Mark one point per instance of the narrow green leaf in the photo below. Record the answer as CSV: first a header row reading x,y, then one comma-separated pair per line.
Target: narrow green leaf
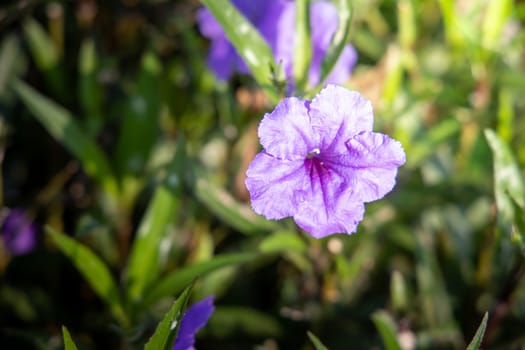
x,y
175,281
89,88
229,320
9,57
509,188
247,41
93,270
497,14
506,171
387,330
69,344
239,216
302,45
478,337
339,39
143,266
452,23
166,332
60,124
140,124
317,343
44,51
282,241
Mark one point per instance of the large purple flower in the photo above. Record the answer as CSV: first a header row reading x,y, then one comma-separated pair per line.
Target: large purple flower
x,y
194,319
275,20
19,232
321,162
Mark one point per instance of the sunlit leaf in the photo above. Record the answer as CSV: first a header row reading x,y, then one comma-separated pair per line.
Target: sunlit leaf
x,y
387,330
166,332
69,344
340,38
302,44
247,41
239,216
283,241
508,182
316,342
93,270
478,337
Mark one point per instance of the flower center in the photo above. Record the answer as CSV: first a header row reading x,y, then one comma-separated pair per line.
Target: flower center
x,y
313,153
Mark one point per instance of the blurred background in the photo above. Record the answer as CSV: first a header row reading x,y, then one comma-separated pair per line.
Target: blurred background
x,y
114,133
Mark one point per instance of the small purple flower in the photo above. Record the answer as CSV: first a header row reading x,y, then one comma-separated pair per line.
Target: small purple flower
x,y
194,319
321,162
275,20
19,232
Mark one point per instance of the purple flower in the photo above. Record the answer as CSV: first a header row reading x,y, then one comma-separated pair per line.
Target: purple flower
x,y
321,162
275,20
19,232
194,319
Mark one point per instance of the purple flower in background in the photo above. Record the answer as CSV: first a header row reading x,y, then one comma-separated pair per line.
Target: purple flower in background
x,y
321,162
194,319
275,19
19,232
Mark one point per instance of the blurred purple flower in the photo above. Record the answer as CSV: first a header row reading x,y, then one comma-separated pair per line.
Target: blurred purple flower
x,y
275,20
194,319
321,162
19,232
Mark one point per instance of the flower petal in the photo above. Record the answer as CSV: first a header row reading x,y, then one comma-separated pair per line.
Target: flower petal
x,y
344,217
337,114
194,319
286,132
374,158
276,186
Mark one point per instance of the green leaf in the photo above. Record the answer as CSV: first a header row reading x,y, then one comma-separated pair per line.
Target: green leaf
x,y
175,281
69,344
143,266
247,41
166,332
60,124
9,59
140,123
237,215
478,337
387,330
228,320
339,39
283,241
317,343
506,171
93,270
42,48
508,184
302,44
89,88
